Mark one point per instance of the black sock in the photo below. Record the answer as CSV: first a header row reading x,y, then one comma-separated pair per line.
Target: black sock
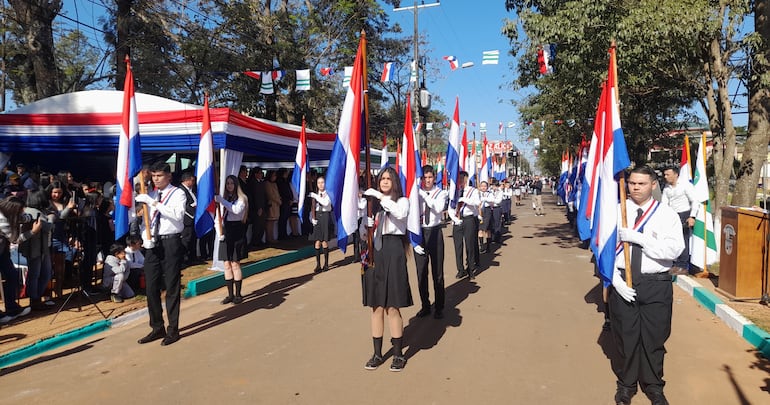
x,y
326,258
318,258
377,346
238,287
397,346
229,284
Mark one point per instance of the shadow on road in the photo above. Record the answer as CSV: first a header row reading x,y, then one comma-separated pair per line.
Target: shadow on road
x,y
267,297
43,359
425,333
560,234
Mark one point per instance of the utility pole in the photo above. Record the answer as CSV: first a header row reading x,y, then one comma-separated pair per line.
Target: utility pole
x,y
420,95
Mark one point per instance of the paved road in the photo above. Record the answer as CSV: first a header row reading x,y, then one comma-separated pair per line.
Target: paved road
x,y
526,331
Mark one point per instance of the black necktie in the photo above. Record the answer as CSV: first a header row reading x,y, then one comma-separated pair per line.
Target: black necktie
x,y
157,214
636,253
426,211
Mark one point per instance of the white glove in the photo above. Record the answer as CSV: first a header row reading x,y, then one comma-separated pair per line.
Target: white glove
x,y
419,250
369,222
314,221
457,222
148,244
145,198
628,293
373,193
630,235
423,194
462,200
313,195
218,198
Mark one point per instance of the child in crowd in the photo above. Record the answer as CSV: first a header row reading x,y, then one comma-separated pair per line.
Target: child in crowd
x,y
135,259
116,274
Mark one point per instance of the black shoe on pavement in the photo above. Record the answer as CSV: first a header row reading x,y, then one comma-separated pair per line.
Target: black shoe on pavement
x,y
461,274
238,299
398,363
227,300
423,312
154,335
170,339
623,396
116,298
373,363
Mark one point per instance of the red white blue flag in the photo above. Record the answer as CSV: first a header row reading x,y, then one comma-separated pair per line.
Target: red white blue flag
x,y
453,156
613,159
486,161
129,157
205,211
453,62
384,153
387,72
342,175
299,175
410,173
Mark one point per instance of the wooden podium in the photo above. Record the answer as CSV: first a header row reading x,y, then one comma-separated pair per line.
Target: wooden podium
x,y
743,248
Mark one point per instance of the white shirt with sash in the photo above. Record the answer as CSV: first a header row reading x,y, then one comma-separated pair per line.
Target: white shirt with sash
x,y
663,241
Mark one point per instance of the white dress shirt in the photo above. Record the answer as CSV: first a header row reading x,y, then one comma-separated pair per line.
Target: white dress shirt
x,y
234,211
662,243
435,200
680,197
471,202
135,259
322,202
391,220
167,213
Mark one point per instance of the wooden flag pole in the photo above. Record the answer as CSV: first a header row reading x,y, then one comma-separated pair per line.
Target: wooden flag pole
x,y
365,84
622,180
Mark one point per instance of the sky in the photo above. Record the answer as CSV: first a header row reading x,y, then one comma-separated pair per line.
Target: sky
x,y
455,28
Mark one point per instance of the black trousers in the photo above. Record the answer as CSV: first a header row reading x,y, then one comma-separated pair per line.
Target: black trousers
x,y
433,242
683,260
257,228
206,245
164,262
466,233
189,242
497,222
640,329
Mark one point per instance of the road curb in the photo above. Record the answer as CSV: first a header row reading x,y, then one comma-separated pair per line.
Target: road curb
x,y
750,332
194,288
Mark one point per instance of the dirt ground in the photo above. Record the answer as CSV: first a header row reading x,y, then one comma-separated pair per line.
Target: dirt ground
x,y
79,311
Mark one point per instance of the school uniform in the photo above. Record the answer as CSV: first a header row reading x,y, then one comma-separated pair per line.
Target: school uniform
x,y
432,206
465,231
324,229
235,230
642,327
387,283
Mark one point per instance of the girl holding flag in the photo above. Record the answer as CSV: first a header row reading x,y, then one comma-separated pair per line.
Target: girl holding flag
x,y
320,217
235,213
386,284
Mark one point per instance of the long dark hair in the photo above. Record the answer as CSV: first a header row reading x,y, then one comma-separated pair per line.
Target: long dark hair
x,y
237,194
12,207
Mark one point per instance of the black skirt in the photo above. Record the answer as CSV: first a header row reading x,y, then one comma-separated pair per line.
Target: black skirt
x,y
235,242
486,219
387,283
324,230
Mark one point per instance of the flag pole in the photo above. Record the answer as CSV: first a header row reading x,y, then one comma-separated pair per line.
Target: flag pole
x,y
365,86
142,184
622,180
704,206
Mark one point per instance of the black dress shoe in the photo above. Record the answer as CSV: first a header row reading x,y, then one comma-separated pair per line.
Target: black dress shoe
x,y
657,398
423,313
169,339
461,274
623,396
153,336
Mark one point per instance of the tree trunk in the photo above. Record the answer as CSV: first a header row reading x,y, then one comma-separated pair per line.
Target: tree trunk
x,y
755,150
36,18
122,48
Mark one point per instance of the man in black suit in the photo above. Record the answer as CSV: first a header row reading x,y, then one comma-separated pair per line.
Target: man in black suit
x,y
188,234
257,205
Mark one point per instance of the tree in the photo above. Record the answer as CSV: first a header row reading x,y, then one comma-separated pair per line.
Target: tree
x,y
34,71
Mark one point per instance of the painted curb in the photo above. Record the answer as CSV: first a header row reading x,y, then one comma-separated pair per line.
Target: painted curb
x,y
750,332
53,342
215,281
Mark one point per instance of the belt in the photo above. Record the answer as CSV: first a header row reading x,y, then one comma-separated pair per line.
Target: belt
x,y
663,276
170,236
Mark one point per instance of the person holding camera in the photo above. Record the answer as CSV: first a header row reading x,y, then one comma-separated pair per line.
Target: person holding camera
x,y
12,216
